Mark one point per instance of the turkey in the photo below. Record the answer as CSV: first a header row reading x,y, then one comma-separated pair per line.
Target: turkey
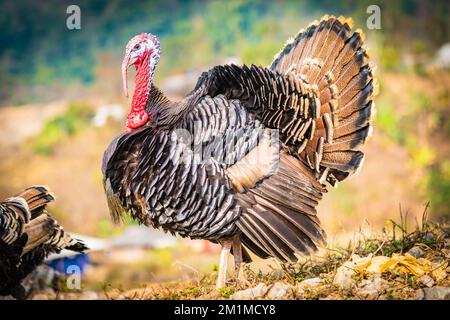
x,y
28,234
245,157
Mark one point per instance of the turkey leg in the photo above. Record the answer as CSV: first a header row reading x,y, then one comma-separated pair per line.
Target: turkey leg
x,y
237,253
222,277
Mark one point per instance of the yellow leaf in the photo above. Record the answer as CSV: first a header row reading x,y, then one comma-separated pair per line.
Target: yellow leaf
x,y
361,264
397,263
440,272
379,264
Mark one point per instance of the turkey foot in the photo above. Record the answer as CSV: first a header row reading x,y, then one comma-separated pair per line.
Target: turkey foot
x,y
237,253
223,265
239,277
236,246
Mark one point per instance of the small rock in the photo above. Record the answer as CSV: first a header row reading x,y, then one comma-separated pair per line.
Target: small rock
x,y
46,294
41,296
426,280
429,236
438,260
371,287
84,295
416,252
278,290
435,293
251,293
88,295
343,277
333,296
446,252
439,271
309,283
278,274
213,295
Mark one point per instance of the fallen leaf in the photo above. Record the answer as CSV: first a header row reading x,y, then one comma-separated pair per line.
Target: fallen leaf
x,y
380,264
440,272
396,264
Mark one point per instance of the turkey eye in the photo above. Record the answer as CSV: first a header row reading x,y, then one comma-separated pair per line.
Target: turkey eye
x,y
137,47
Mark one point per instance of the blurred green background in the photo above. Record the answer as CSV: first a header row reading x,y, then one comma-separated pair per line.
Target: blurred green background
x,y
55,82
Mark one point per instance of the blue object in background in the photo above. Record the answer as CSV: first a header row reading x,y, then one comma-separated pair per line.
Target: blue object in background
x,y
62,264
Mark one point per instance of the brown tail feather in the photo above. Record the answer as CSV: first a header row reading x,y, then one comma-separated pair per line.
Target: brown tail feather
x,y
253,247
280,219
39,231
45,230
42,228
37,198
246,258
14,214
331,59
265,239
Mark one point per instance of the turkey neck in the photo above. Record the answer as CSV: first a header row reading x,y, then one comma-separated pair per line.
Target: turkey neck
x,y
145,68
149,102
143,85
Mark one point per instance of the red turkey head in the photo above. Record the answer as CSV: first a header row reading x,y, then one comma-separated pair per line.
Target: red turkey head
x,y
142,51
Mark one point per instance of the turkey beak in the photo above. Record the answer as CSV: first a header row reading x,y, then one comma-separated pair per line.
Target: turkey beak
x,y
125,66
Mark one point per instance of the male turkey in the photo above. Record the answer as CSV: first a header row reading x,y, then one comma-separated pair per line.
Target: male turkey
x,y
243,158
28,234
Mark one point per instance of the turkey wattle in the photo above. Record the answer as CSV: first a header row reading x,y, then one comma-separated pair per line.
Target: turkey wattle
x,y
243,158
28,234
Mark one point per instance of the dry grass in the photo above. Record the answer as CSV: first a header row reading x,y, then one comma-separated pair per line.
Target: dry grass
x,y
433,238
157,276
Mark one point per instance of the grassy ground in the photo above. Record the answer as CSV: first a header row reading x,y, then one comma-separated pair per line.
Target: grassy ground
x,y
139,281
433,239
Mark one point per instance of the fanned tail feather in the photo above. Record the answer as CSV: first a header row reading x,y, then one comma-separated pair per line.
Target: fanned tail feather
x,y
37,198
332,60
42,229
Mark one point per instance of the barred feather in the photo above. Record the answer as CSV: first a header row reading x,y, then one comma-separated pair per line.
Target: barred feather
x,y
28,234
